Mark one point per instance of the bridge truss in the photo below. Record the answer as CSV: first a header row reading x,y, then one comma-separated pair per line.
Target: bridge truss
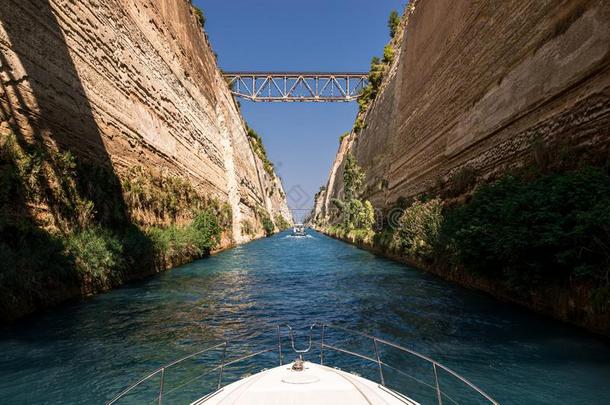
x,y
297,86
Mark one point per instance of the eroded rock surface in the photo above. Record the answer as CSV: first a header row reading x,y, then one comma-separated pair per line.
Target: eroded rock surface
x,y
127,83
475,84
485,87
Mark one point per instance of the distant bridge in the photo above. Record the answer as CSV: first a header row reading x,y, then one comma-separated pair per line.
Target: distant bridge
x,y
320,87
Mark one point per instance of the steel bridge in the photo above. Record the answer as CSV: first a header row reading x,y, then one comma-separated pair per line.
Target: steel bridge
x,y
320,87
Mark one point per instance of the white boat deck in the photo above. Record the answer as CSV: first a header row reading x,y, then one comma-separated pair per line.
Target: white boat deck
x,y
315,384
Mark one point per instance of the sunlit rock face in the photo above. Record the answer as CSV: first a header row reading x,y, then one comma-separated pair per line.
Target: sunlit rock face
x,y
476,84
129,83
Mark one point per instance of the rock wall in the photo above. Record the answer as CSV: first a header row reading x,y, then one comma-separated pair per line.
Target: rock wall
x,y
484,88
127,83
474,85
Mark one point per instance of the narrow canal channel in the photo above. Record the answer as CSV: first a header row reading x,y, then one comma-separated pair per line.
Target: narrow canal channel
x,y
85,353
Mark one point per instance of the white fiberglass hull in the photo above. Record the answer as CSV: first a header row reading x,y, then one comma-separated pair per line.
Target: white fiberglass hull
x,y
315,384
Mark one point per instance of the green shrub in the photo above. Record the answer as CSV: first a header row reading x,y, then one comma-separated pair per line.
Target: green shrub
x,y
281,222
376,75
364,100
258,147
66,224
418,230
166,197
369,92
223,213
361,236
358,215
195,240
97,254
385,240
388,54
206,231
33,266
355,215
337,231
393,23
53,238
268,225
200,16
173,245
350,212
553,228
38,175
339,204
365,218
353,177
138,250
358,125
100,185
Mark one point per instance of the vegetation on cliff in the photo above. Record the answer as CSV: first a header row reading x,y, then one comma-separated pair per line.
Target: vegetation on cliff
x,y
258,147
268,225
393,22
265,219
524,230
369,93
554,228
199,14
378,71
77,215
247,229
280,222
181,224
418,228
161,199
174,244
545,224
62,230
356,216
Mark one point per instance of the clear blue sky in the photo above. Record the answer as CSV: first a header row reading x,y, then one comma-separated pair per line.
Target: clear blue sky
x,y
296,35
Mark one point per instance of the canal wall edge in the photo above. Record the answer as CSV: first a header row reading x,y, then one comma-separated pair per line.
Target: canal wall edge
x,y
115,119
571,306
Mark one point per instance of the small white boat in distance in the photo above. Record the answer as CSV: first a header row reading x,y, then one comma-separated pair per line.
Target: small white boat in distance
x,y
380,380
298,230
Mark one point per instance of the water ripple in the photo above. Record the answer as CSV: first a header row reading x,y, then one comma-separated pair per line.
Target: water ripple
x,y
84,353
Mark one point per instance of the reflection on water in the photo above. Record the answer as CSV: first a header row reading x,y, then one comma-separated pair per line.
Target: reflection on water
x,y
89,351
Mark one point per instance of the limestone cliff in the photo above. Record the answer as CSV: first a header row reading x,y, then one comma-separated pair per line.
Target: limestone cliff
x,y
132,83
477,91
120,142
474,84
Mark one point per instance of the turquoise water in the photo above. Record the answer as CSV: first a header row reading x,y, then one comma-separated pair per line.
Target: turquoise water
x,y
85,353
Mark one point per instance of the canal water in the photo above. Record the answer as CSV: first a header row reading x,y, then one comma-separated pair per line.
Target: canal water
x,y
87,352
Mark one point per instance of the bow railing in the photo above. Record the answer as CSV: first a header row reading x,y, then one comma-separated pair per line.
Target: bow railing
x,y
406,379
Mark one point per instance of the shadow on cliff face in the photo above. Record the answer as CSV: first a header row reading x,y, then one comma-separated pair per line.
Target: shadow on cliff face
x,y
56,176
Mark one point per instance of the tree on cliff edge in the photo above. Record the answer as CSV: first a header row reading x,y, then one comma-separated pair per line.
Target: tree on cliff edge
x,y
393,22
